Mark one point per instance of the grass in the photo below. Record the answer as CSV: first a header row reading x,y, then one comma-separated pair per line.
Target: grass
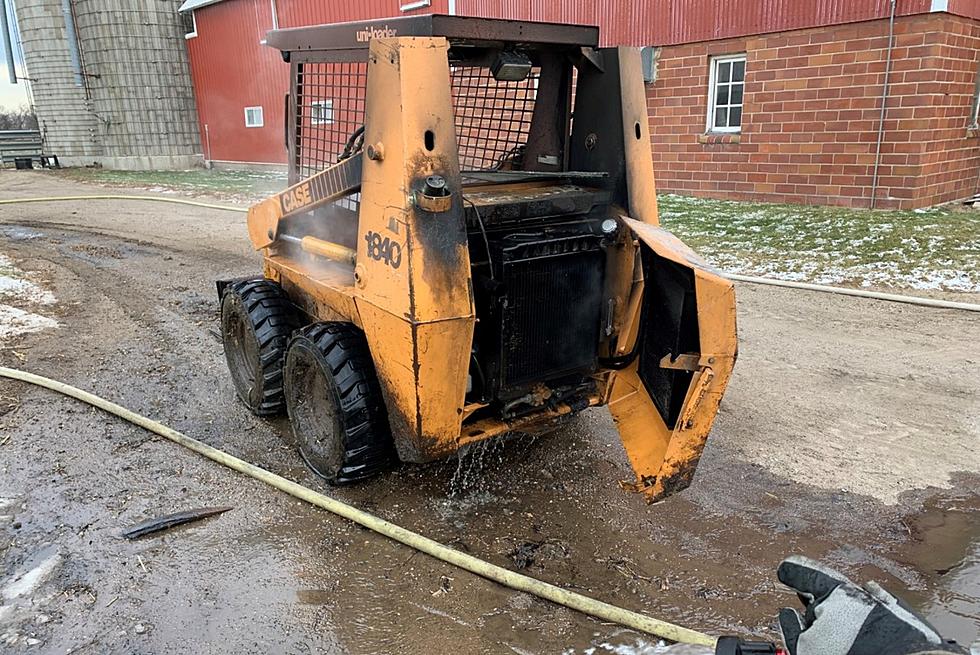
x,y
240,185
937,249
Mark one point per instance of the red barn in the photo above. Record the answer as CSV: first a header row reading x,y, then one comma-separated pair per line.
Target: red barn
x,y
847,102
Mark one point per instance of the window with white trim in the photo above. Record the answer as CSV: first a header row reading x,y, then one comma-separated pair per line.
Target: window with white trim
x,y
189,21
253,117
726,88
321,112
975,113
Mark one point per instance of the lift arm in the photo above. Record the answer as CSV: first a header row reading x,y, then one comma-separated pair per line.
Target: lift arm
x,y
341,179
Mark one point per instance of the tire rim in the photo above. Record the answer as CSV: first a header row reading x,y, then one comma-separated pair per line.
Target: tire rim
x,y
241,350
311,399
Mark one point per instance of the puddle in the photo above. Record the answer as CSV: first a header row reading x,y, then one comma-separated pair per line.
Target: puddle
x,y
15,233
946,548
955,609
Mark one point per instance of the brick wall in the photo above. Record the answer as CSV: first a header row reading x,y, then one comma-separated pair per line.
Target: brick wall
x,y
811,114
949,166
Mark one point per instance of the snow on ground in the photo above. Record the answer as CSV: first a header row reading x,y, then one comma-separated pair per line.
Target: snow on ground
x,y
20,297
935,249
641,646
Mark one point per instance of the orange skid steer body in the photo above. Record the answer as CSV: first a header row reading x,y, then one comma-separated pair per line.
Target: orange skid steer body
x,y
470,247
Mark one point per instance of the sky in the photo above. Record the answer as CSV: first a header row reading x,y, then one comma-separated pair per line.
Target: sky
x,y
12,95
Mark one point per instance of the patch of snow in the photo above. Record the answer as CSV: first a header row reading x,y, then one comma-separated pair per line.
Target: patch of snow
x,y
639,646
24,290
22,295
29,581
14,321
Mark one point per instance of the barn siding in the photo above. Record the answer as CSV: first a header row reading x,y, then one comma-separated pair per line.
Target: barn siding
x,y
232,69
655,22
297,13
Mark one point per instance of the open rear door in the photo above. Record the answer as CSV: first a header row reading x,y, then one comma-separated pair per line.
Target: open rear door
x,y
665,401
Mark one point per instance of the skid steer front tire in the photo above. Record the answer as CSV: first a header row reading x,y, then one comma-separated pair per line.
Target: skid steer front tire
x,y
257,320
335,406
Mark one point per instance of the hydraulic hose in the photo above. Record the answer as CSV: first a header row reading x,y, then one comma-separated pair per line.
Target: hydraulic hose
x,y
891,297
498,574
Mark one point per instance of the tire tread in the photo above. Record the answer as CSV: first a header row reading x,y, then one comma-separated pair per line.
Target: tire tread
x,y
368,447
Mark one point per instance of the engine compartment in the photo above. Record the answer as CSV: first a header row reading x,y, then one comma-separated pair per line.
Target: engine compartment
x,y
537,253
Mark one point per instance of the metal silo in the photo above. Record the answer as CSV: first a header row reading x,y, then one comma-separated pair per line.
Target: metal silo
x,y
111,82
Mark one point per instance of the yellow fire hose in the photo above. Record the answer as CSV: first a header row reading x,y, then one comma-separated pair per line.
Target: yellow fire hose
x,y
570,599
179,201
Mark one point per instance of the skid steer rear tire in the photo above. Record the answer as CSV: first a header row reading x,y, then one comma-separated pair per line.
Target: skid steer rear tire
x,y
335,406
257,320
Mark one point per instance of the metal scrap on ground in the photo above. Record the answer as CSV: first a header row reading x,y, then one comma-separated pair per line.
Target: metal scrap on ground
x,y
171,520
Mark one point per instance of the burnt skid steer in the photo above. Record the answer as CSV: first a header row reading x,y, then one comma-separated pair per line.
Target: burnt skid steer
x,y
469,248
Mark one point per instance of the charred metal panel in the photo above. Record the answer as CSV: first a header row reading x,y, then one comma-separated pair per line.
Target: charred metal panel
x,y
597,131
668,326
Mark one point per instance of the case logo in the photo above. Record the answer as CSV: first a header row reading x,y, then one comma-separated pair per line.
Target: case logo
x,y
294,199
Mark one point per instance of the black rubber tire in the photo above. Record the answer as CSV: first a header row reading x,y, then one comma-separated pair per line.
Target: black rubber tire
x,y
336,410
257,321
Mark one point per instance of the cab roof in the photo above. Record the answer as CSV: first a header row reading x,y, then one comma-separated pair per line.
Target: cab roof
x,y
459,30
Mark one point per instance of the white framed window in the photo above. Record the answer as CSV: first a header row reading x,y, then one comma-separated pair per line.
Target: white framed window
x,y
189,21
253,117
321,112
975,112
726,88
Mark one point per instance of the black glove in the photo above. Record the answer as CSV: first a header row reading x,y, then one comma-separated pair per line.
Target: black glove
x,y
842,618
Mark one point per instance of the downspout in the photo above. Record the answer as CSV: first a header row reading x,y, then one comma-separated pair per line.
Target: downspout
x,y
884,100
452,7
8,45
71,36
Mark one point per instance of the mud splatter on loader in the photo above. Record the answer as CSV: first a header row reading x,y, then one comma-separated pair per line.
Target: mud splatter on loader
x,y
470,247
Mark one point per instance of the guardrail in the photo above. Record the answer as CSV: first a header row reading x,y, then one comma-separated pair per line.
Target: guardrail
x,y
24,148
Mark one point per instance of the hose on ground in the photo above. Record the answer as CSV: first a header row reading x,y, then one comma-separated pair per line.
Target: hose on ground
x,y
876,295
179,201
555,594
891,297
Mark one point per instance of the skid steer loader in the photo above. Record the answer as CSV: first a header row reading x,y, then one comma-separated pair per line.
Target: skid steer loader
x,y
470,247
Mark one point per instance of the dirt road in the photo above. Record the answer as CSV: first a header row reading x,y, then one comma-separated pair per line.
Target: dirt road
x,y
850,432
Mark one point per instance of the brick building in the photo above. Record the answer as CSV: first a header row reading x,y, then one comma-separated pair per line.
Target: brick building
x,y
770,100
804,123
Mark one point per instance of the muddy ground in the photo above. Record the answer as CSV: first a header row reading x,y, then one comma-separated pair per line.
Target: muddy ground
x,y
850,432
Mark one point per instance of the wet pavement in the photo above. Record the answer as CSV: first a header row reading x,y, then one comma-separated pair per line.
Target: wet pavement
x,y
842,437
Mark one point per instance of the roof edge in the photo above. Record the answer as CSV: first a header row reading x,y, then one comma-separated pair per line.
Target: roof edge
x,y
190,5
356,35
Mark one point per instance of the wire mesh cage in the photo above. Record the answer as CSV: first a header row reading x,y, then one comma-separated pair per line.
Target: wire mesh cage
x,y
492,117
329,110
